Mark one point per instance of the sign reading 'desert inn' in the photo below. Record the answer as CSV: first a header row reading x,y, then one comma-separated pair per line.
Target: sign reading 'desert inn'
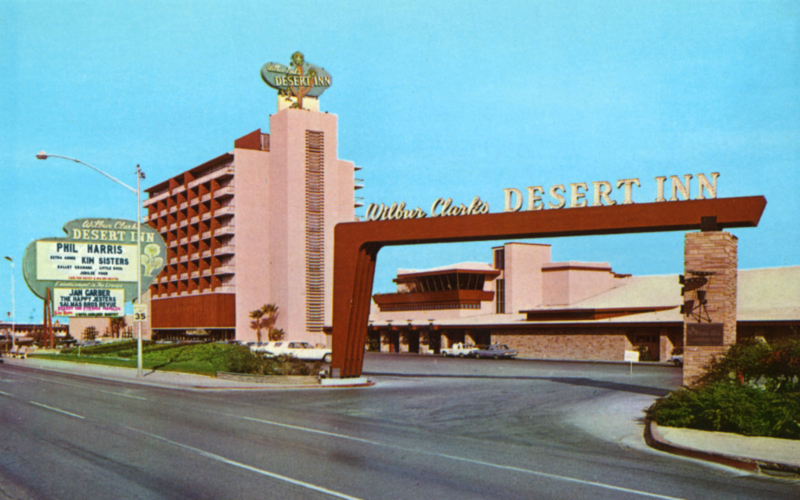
x,y
576,196
298,80
93,270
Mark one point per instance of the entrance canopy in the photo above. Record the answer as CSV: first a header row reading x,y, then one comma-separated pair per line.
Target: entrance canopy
x,y
356,246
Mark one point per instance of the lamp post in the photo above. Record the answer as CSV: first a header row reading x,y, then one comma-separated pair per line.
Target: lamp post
x,y
13,309
138,192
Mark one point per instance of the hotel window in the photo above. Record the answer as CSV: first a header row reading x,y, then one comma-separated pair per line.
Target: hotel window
x,y
500,296
500,259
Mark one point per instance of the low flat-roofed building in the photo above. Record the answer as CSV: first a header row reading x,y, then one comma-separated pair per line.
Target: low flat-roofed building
x,y
575,310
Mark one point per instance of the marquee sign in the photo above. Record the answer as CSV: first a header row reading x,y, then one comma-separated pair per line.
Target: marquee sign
x,y
92,271
300,79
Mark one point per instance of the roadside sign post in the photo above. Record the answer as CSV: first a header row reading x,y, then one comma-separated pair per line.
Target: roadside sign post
x,y
99,265
632,356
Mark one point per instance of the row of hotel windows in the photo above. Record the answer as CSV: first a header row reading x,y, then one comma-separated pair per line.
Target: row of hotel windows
x,y
443,282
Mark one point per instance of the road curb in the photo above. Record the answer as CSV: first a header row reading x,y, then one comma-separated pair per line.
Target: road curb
x,y
188,385
654,439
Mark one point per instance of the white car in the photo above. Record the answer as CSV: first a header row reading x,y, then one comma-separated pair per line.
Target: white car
x,y
459,349
298,350
255,347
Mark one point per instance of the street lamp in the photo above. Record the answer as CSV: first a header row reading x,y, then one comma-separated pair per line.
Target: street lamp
x,y
13,310
138,191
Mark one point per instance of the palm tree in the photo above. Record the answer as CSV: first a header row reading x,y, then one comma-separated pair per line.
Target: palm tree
x,y
257,322
270,311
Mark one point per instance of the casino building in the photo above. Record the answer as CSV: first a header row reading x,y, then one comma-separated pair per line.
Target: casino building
x,y
253,226
563,310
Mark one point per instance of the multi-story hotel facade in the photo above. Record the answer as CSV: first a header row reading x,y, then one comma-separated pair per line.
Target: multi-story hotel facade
x,y
251,227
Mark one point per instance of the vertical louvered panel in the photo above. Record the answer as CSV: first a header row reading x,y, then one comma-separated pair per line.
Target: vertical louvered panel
x,y
315,249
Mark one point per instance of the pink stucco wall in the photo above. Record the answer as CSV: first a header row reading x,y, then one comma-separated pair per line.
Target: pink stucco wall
x,y
566,283
523,275
251,262
286,214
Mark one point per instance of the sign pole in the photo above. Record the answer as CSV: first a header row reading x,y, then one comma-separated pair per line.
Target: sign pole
x,y
13,307
139,267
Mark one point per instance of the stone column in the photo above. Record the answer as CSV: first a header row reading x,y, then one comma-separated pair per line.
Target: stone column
x,y
708,328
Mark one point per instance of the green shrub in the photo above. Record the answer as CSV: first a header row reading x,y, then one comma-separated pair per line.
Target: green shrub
x,y
753,390
730,407
102,350
207,359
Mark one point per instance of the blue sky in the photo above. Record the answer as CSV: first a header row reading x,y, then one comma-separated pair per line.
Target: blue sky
x,y
434,98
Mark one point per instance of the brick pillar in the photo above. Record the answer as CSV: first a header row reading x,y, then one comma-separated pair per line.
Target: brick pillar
x,y
665,345
708,331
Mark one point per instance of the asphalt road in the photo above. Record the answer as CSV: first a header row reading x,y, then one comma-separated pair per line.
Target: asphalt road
x,y
430,428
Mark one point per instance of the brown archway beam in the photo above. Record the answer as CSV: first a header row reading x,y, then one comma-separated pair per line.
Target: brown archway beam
x,y
356,246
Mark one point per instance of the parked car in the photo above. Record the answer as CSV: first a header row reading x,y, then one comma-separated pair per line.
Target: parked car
x,y
254,346
300,350
460,349
496,351
677,357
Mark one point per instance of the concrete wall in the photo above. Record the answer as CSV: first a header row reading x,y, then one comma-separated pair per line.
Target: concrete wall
x,y
566,283
287,214
523,275
253,235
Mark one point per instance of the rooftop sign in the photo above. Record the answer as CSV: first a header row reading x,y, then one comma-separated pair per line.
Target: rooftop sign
x,y
300,79
92,271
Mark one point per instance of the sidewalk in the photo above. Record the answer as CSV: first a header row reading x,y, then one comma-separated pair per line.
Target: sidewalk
x,y
755,454
177,380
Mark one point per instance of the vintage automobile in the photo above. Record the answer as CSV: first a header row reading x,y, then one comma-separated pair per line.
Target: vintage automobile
x,y
300,350
677,357
254,346
459,349
495,351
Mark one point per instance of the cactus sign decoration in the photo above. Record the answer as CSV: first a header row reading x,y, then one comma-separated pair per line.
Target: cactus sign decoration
x,y
93,270
300,79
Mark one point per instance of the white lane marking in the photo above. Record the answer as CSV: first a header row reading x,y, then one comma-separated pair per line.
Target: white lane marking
x,y
249,468
56,409
6,394
460,459
82,387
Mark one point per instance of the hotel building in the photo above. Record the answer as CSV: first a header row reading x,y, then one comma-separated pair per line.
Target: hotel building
x,y
564,310
251,227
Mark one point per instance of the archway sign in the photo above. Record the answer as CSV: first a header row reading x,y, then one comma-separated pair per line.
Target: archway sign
x,y
356,246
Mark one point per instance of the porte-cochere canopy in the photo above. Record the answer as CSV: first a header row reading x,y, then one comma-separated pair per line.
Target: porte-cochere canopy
x,y
356,247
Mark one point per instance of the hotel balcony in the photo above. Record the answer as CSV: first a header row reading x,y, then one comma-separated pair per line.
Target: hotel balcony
x,y
358,184
221,231
224,270
228,209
